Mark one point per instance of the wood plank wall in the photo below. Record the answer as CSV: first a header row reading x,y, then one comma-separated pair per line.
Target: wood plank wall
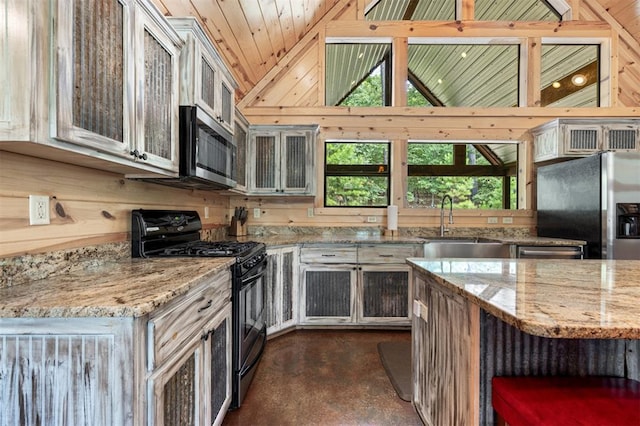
x,y
88,206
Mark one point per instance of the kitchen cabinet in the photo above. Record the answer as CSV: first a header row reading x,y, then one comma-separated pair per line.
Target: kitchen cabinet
x,y
190,357
364,284
170,366
59,371
281,278
445,367
240,137
566,138
281,160
112,101
205,81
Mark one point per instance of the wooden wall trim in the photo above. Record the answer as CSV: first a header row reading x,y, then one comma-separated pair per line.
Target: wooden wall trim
x,y
457,29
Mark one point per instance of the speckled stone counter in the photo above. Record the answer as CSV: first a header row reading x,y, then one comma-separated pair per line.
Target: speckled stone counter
x,y
550,298
124,288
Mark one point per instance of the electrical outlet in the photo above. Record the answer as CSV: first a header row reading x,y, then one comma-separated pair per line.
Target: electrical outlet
x,y
310,212
371,219
507,220
39,210
256,213
492,219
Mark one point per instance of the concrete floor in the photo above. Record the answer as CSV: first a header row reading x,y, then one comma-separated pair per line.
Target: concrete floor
x,y
324,377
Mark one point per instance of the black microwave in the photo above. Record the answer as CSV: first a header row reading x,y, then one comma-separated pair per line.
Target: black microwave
x,y
208,153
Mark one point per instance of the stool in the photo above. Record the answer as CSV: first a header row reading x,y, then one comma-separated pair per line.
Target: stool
x,y
566,401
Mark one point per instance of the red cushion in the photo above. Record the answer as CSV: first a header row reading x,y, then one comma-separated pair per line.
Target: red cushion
x,y
567,400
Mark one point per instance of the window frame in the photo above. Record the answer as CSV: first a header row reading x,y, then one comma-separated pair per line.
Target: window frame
x,y
355,170
423,170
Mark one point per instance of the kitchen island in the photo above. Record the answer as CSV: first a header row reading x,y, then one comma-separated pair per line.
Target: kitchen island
x,y
475,319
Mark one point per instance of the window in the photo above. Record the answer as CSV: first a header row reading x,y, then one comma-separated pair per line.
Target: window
x,y
356,174
569,75
521,10
464,75
358,74
414,10
476,176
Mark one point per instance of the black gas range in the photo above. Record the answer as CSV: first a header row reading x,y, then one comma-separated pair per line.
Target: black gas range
x,y
176,233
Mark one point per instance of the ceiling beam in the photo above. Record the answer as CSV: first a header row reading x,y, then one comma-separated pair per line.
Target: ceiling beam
x,y
424,90
410,10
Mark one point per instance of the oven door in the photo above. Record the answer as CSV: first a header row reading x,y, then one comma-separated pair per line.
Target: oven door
x,y
250,330
252,324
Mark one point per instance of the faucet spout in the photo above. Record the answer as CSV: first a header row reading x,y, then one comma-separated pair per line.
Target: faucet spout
x,y
442,228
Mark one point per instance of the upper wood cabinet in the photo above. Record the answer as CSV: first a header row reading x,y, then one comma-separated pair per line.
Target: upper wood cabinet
x,y
565,138
98,85
281,160
204,78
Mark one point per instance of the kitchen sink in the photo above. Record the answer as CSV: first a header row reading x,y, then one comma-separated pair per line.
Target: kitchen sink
x,y
471,247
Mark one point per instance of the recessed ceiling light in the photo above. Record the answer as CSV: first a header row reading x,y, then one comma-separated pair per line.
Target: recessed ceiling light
x,y
463,54
579,80
360,55
555,84
439,81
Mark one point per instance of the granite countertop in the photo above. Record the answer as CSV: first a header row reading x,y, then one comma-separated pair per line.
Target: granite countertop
x,y
125,288
549,298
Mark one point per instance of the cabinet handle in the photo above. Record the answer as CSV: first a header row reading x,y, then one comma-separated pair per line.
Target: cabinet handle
x,y
328,255
207,306
385,255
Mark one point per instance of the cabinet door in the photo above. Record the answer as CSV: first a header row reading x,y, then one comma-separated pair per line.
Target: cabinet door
x,y
297,163
281,281
227,103
16,69
217,367
328,294
384,294
64,371
582,139
264,158
95,67
176,389
157,92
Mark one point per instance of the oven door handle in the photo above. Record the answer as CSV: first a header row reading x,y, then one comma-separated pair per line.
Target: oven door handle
x,y
254,277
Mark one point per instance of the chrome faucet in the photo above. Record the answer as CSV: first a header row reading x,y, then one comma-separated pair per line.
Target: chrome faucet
x,y
442,228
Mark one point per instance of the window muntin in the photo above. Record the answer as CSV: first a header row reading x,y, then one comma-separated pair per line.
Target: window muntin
x,y
466,75
462,171
561,65
357,174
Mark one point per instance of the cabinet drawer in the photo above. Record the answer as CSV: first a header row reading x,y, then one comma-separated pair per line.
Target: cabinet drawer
x,y
334,253
186,316
386,253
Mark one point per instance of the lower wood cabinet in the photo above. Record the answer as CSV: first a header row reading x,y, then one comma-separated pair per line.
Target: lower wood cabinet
x,y
281,283
170,367
194,385
63,371
364,284
445,368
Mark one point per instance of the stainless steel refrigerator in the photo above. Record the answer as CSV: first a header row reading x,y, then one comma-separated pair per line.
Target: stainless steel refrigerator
x,y
596,199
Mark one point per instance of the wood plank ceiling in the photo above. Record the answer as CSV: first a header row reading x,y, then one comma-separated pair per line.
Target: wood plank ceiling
x,y
254,36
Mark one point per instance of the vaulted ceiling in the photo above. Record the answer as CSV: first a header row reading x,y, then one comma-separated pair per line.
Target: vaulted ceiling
x,y
257,38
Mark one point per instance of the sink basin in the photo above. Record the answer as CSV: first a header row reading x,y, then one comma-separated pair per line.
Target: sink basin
x,y
465,248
